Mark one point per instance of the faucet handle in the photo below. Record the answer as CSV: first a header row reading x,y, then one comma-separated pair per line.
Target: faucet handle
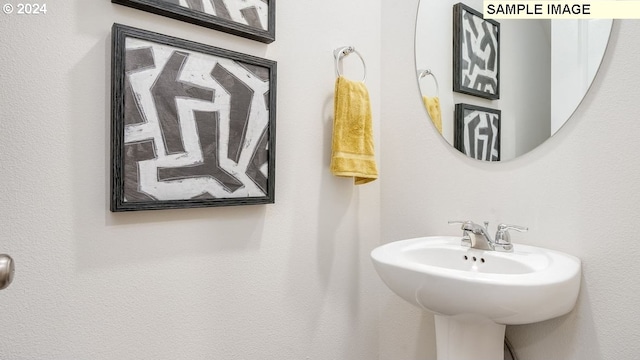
x,y
451,222
505,227
503,238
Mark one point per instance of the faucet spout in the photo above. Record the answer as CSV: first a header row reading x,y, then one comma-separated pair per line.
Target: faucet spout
x,y
478,234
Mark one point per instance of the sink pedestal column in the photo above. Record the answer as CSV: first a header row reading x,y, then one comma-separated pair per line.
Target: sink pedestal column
x,y
469,338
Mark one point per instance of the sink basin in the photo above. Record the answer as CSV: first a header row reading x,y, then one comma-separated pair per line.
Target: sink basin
x,y
475,293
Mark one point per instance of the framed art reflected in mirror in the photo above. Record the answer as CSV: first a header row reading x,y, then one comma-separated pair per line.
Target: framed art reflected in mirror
x,y
476,53
546,66
477,132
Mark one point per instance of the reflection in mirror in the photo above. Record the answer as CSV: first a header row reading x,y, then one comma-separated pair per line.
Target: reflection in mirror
x,y
546,68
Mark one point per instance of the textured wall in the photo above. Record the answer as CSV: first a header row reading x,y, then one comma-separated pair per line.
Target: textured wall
x,y
578,193
291,280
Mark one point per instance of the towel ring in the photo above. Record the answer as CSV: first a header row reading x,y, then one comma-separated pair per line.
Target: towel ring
x,y
342,52
424,73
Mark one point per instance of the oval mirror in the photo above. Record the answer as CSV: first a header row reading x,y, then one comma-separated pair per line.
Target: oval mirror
x,y
496,89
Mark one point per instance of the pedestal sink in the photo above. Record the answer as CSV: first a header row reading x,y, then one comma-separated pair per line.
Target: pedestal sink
x,y
475,293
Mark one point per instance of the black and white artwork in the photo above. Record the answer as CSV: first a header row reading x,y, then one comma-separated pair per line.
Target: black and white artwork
x,y
252,19
192,125
476,53
477,132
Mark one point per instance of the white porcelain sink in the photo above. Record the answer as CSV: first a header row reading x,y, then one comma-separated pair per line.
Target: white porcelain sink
x,y
475,293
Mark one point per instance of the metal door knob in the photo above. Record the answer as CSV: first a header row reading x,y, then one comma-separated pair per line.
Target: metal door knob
x,y
7,269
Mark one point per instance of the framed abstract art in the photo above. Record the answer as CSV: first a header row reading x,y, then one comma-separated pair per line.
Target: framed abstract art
x,y
191,125
252,19
477,132
476,53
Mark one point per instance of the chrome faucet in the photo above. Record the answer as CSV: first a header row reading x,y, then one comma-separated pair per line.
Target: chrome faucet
x,y
478,237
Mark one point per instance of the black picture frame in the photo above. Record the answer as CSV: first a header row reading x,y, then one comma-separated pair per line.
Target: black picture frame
x,y
191,125
248,22
477,131
476,53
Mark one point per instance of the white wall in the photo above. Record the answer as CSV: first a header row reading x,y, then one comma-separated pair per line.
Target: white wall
x,y
578,193
526,65
576,45
291,280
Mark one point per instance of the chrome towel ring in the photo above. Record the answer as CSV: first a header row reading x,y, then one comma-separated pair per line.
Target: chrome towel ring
x,y
7,269
424,73
344,51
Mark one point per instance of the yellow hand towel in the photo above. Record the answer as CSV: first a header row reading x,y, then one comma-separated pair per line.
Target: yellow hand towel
x,y
433,108
352,146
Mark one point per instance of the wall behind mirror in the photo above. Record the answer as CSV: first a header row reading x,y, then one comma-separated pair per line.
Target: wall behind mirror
x,y
546,68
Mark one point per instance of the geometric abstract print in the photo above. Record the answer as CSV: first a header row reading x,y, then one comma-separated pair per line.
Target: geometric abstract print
x,y
195,125
249,12
480,57
479,136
